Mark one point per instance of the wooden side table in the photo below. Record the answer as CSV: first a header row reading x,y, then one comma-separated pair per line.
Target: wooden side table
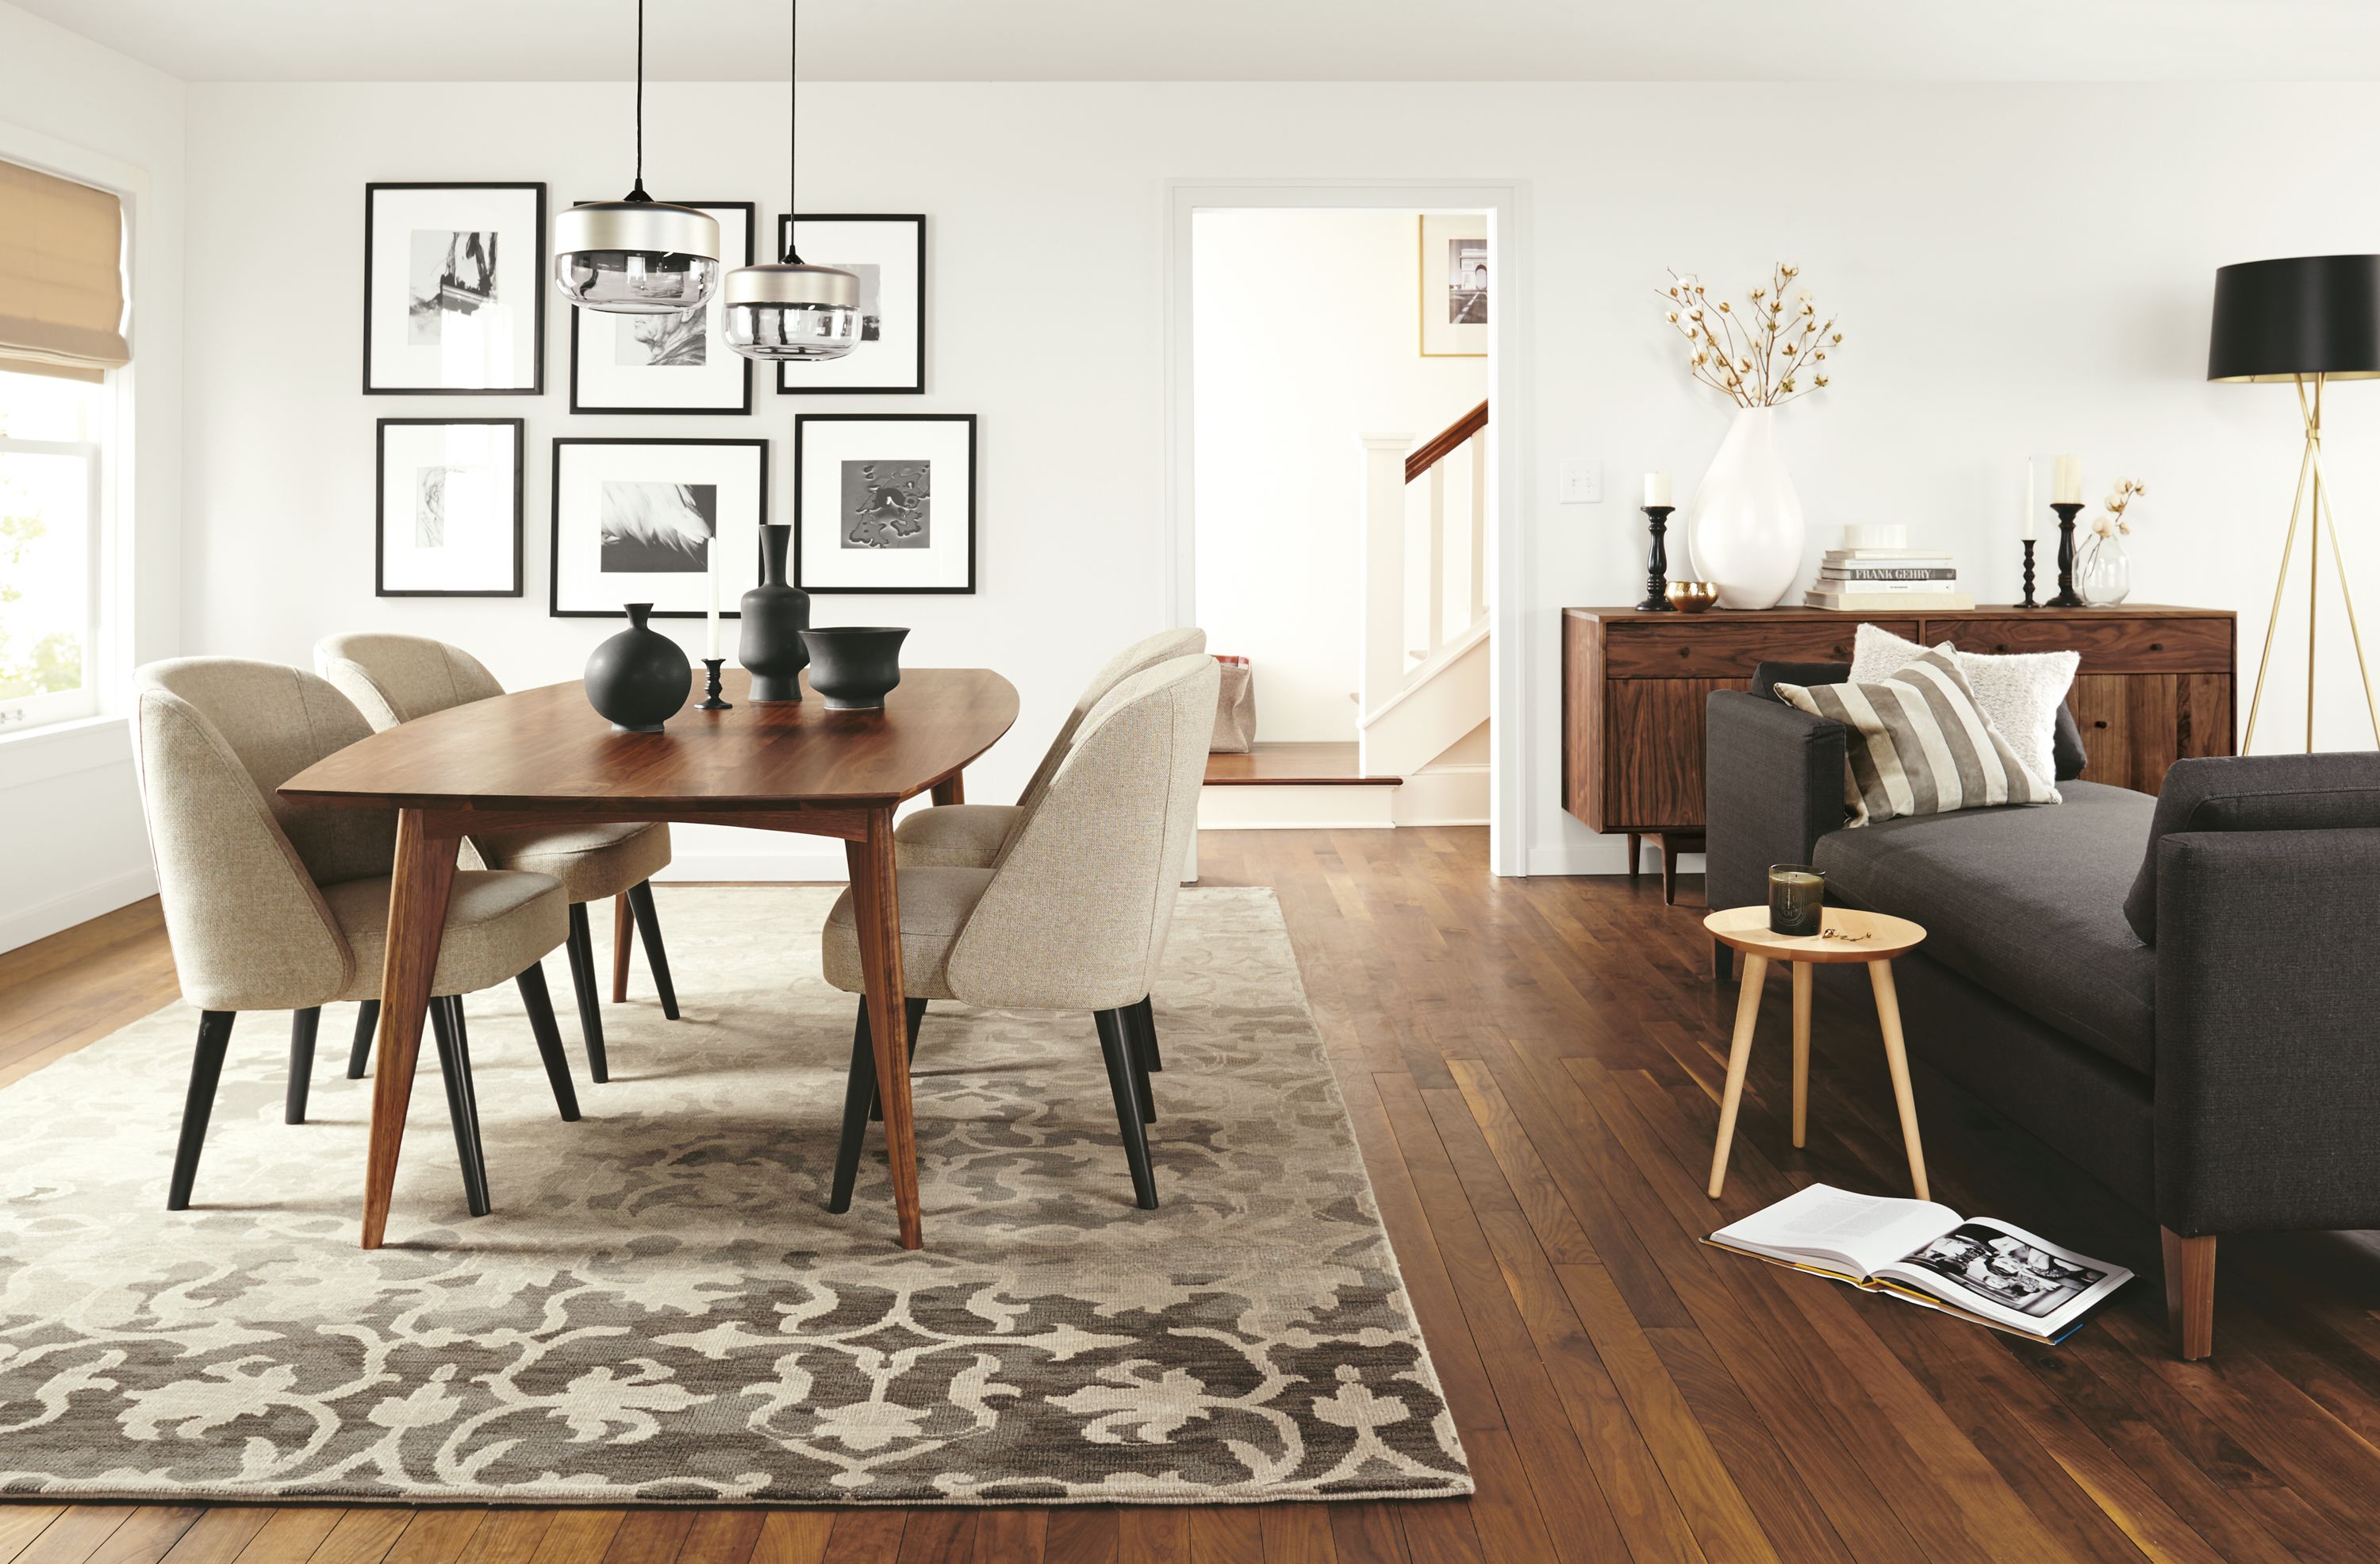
x,y
1849,935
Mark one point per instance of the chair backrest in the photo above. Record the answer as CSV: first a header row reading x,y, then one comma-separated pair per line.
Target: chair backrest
x,y
1076,912
237,865
1140,656
394,678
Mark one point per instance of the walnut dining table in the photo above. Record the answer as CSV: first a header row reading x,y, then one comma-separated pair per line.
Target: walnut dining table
x,y
542,758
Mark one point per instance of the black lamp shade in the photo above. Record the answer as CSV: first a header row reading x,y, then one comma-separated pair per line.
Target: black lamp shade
x,y
2310,314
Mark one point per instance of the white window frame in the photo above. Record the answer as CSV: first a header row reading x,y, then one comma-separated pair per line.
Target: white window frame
x,y
28,713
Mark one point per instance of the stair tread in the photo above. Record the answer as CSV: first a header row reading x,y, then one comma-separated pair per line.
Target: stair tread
x,y
1299,764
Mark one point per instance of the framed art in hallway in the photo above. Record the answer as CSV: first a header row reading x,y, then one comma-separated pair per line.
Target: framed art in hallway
x,y
885,502
455,290
1454,275
888,255
672,364
448,519
638,521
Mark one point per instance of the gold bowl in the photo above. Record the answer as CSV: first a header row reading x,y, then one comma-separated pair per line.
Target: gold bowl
x,y
1693,597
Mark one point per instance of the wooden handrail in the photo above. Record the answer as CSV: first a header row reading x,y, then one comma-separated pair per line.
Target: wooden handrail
x,y
1446,442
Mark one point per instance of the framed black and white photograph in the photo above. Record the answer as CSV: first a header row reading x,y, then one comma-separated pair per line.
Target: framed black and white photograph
x,y
641,521
887,256
455,290
449,515
1454,284
671,363
885,502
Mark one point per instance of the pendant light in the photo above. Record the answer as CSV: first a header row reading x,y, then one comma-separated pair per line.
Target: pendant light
x,y
637,256
792,311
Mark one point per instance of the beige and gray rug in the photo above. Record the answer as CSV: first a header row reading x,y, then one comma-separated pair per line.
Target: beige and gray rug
x,y
661,1311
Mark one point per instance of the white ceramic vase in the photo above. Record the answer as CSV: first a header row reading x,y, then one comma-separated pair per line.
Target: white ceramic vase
x,y
1745,528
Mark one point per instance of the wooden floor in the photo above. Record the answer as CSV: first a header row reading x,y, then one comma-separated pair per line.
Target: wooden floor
x,y
1532,1066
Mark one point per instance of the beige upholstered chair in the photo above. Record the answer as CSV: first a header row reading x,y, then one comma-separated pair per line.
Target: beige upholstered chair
x,y
1074,914
394,678
272,905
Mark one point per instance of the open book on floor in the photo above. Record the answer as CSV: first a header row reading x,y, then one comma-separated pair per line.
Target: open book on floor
x,y
1985,1271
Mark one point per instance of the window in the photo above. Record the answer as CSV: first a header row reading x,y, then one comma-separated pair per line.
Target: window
x,y
51,434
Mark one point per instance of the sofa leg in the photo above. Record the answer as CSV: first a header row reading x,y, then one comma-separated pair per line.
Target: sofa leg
x,y
2190,1293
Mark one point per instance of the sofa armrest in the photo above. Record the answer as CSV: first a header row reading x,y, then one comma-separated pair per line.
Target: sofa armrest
x,y
2267,1030
1773,785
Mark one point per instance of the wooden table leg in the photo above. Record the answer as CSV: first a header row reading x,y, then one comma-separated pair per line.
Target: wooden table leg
x,y
2190,1293
620,949
418,888
876,904
1739,1058
1896,1058
1802,972
950,789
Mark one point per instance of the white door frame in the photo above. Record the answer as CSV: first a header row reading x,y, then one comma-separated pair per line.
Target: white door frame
x,y
1502,200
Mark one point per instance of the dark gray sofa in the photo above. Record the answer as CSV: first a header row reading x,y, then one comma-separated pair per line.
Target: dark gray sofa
x,y
2211,1051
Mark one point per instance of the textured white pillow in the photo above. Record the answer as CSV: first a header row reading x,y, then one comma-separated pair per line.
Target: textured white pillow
x,y
2019,693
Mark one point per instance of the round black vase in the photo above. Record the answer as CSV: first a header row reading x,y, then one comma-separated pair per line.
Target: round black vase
x,y
776,614
853,667
639,677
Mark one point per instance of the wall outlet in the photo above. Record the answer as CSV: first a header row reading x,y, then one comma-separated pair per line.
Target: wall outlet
x,y
1582,483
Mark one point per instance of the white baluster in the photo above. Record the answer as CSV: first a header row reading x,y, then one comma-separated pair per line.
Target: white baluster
x,y
1437,585
1478,444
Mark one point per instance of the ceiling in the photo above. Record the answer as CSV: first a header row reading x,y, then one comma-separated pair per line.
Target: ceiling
x,y
1243,40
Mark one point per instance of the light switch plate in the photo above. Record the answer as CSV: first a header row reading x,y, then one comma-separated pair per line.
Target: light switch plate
x,y
1582,483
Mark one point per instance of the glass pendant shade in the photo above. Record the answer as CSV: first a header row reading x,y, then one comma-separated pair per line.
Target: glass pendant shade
x,y
791,313
636,257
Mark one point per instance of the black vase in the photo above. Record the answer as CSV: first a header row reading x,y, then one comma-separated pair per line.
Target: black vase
x,y
853,667
774,616
639,677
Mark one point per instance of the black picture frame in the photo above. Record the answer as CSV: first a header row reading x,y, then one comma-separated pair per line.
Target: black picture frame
x,y
536,387
553,558
379,509
751,224
801,423
916,385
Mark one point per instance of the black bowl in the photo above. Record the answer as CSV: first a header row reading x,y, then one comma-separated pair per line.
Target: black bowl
x,y
851,667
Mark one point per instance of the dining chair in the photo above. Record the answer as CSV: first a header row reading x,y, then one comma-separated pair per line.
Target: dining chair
x,y
276,905
1072,914
396,678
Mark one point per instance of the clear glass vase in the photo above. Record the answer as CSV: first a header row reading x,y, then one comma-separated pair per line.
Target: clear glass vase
x,y
2102,573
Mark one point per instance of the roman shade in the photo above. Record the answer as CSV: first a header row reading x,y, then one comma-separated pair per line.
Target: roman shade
x,y
61,276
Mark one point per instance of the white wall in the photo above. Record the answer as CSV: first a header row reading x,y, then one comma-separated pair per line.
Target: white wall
x,y
1307,337
71,841
2018,269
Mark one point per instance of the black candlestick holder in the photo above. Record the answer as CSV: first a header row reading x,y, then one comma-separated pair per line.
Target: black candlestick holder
x,y
710,700
2028,601
2067,597
1657,567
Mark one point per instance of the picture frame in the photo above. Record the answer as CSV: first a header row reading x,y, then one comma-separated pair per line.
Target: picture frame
x,y
628,512
455,285
872,500
888,252
1454,277
664,365
452,489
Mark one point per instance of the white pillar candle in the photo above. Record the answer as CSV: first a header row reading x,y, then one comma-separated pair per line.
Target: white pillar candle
x,y
1657,488
2027,533
711,640
2068,481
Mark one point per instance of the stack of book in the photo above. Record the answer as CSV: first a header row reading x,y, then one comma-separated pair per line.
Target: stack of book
x,y
1872,581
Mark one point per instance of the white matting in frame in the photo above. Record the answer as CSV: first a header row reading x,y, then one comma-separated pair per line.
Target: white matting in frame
x,y
449,516
637,521
666,364
885,502
455,290
888,255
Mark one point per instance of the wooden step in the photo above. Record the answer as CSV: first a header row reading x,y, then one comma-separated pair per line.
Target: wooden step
x,y
1293,765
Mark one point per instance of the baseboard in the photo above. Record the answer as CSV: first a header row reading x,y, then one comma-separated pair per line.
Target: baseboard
x,y
759,868
25,924
1609,856
1288,806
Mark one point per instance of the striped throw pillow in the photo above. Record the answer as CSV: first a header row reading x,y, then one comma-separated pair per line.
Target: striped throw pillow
x,y
1917,744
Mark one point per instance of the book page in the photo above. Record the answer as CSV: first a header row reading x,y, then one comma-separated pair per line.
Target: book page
x,y
2007,1274
1854,1232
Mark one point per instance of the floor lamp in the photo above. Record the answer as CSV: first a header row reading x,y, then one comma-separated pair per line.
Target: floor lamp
x,y
2305,321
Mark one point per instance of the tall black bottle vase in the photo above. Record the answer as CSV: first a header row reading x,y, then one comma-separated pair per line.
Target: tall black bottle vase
x,y
776,614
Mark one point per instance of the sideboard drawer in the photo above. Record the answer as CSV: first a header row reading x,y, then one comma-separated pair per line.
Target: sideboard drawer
x,y
1713,646
2132,644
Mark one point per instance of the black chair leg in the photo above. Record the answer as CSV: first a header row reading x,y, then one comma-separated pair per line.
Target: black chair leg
x,y
303,1024
1115,1042
915,1009
206,1069
539,1001
649,929
1146,1018
360,1052
1142,1029
462,1105
581,947
858,1092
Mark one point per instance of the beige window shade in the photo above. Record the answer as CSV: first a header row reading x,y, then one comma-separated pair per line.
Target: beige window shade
x,y
61,280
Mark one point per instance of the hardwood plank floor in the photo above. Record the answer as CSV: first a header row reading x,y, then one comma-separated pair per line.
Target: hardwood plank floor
x,y
1533,1067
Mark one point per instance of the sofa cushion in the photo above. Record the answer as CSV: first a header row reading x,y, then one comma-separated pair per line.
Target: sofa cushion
x,y
2338,791
2028,903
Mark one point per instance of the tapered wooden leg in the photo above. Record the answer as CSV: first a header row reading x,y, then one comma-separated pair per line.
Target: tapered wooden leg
x,y
206,1070
1739,1058
1141,1031
950,789
648,925
859,1101
1116,1046
2189,1292
1669,870
1146,1019
580,947
461,1102
1635,852
876,900
620,921
417,922
916,1010
538,1000
303,1024
359,1051
1802,972
1896,1058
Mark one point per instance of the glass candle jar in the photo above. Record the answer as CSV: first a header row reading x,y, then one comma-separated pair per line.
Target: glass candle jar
x,y
1797,899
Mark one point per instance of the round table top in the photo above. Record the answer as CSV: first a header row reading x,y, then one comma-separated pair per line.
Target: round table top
x,y
1875,936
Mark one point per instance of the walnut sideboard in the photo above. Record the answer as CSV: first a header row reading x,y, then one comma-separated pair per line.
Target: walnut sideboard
x,y
2155,685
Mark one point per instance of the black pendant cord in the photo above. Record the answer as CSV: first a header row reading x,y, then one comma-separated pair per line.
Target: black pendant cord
x,y
638,192
793,256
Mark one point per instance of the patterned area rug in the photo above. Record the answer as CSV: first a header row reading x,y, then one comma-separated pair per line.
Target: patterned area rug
x,y
661,1311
